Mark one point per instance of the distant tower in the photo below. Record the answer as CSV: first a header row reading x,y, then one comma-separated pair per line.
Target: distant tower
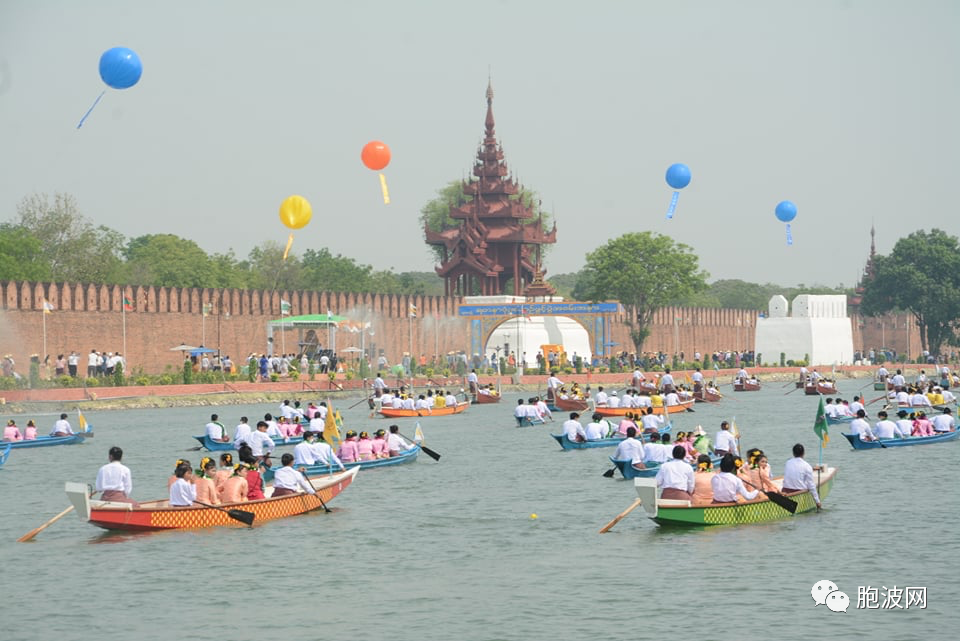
x,y
492,244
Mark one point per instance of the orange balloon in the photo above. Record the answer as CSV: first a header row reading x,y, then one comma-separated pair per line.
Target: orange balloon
x,y
295,212
375,155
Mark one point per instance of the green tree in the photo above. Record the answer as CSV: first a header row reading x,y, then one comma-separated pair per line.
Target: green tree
x,y
75,250
644,271
167,260
20,255
268,270
322,270
920,276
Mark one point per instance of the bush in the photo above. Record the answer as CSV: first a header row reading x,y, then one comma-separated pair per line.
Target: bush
x,y
349,375
91,381
782,359
34,373
187,372
274,377
252,369
118,379
577,364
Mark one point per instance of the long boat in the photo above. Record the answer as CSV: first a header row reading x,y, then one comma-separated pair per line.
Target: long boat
x,y
409,456
662,409
482,399
839,420
568,405
5,454
526,421
567,444
759,510
160,515
879,386
706,396
630,472
883,443
217,446
745,386
389,412
826,389
47,441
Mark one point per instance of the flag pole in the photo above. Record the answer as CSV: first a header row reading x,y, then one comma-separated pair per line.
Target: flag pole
x,y
44,314
123,315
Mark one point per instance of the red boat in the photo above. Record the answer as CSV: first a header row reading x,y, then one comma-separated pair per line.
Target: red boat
x,y
160,515
822,387
480,399
706,396
570,404
743,385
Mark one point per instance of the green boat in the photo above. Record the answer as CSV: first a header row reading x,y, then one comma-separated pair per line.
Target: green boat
x,y
759,510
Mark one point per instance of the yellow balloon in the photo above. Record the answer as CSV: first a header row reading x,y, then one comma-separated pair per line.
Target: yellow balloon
x,y
295,212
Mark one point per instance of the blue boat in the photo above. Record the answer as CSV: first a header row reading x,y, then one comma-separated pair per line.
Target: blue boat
x,y
567,444
900,442
630,472
839,420
408,456
5,454
214,446
526,421
46,441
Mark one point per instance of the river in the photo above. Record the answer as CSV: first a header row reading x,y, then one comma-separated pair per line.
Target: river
x,y
449,550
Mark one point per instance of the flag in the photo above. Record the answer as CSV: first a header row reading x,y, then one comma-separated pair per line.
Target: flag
x,y
127,304
331,430
418,433
820,424
284,307
207,308
286,251
413,310
81,421
734,429
47,306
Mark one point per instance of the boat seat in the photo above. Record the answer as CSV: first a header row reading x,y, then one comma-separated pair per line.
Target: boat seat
x,y
673,503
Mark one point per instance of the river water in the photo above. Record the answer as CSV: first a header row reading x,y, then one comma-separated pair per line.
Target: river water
x,y
448,549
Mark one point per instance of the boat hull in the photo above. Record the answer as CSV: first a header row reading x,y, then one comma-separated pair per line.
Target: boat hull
x,y
759,510
746,387
569,405
389,412
663,409
704,396
857,444
5,453
214,446
483,399
48,441
879,386
526,421
567,444
158,515
630,472
818,389
312,470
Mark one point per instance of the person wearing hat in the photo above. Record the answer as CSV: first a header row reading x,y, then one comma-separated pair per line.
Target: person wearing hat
x,y
349,453
11,433
944,422
573,430
702,442
885,428
613,400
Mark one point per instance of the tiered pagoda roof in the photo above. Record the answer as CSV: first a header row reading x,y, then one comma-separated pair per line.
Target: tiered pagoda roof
x,y
497,235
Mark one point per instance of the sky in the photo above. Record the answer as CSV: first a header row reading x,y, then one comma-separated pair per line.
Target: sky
x,y
846,108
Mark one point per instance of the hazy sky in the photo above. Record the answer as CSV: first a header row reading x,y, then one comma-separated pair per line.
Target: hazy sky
x,y
849,109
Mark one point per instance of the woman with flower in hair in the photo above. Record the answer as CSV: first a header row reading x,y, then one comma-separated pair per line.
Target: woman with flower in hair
x,y
225,471
756,471
365,447
173,477
206,488
235,488
702,475
254,480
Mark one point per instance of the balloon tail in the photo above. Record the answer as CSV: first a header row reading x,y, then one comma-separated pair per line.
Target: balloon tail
x,y
289,245
383,188
95,103
789,235
673,204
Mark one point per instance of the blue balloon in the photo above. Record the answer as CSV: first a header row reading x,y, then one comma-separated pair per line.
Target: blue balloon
x,y
678,175
786,211
120,67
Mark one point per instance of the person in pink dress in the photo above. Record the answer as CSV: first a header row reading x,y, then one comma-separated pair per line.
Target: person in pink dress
x,y
365,447
30,431
11,433
922,426
348,452
627,421
380,449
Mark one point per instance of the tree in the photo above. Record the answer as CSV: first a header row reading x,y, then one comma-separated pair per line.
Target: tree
x,y
268,270
167,260
75,250
921,276
20,257
644,271
324,271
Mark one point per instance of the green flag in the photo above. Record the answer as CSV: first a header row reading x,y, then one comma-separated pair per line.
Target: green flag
x,y
820,424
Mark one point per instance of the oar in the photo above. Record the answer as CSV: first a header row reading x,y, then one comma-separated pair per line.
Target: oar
x,y
775,497
236,515
790,383
876,399
616,520
792,391
434,455
358,402
303,471
32,533
609,473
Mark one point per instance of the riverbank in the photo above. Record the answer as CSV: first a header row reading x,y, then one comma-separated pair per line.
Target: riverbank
x,y
338,392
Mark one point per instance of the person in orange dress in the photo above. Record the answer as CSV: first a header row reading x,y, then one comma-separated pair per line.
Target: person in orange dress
x,y
702,490
235,488
225,471
756,471
206,488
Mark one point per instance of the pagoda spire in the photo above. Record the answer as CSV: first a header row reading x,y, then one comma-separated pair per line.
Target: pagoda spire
x,y
491,136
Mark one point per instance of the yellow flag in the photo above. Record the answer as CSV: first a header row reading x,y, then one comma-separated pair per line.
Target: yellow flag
x,y
331,431
418,434
81,421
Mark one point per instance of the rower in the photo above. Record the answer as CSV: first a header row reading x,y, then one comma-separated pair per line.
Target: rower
x,y
62,427
595,430
288,480
114,481
886,428
573,430
216,431
859,426
600,400
631,449
666,382
944,422
675,477
798,475
726,485
724,442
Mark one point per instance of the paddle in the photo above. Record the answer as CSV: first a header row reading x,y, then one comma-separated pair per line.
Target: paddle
x,y
790,383
616,520
236,515
792,391
32,533
367,398
775,497
435,456
876,399
609,473
303,471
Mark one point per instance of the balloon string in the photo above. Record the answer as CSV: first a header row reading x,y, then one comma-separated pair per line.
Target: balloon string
x,y
789,235
95,103
383,188
289,245
673,204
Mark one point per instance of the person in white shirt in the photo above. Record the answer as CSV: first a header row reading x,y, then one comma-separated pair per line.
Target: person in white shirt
x,y
259,442
421,404
408,403
642,401
671,399
322,410
379,386
638,377
856,405
921,379
288,480
473,382
631,449
396,443
829,408
697,379
543,410
899,382
919,399
273,429
595,430
286,411
666,382
798,475
313,452
725,442
742,375
215,430
573,430
904,423
886,428
183,491
114,481
62,427
902,397
613,400
241,432
882,374
726,485
948,397
396,402
93,360
520,411
553,385
451,399
651,422
600,400
533,413
944,422
675,477
861,427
